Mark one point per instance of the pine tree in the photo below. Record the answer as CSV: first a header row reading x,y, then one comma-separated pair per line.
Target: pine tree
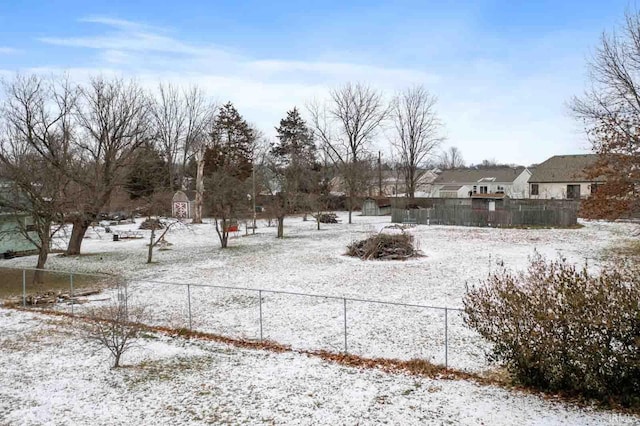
x,y
293,165
228,165
232,144
147,174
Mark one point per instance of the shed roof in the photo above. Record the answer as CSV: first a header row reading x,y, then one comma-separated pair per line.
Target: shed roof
x,y
380,201
500,174
450,187
564,168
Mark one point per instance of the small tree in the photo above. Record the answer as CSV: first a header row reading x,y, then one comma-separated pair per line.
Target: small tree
x,y
115,326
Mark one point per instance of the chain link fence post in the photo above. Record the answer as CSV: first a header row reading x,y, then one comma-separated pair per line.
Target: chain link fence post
x,y
446,338
24,288
260,299
344,300
189,301
72,301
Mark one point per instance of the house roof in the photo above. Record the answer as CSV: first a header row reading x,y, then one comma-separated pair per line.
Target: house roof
x,y
564,168
450,187
475,175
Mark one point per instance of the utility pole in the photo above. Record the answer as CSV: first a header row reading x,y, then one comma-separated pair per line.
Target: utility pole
x,y
379,174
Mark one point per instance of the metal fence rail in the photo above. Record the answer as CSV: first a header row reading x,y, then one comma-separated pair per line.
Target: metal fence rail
x,y
261,293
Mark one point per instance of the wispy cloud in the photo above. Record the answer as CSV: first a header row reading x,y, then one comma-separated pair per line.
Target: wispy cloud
x,y
8,50
490,109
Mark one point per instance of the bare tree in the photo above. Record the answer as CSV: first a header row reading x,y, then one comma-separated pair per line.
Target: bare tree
x,y
417,133
34,150
113,116
168,111
610,111
115,326
346,125
451,159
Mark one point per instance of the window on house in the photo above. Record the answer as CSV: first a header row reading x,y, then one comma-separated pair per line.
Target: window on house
x,y
534,189
573,192
594,188
475,189
500,189
484,189
30,228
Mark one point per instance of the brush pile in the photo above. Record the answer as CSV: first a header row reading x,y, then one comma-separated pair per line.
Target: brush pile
x,y
384,247
152,224
326,217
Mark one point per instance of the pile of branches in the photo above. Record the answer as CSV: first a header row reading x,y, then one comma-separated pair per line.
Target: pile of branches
x,y
152,224
326,217
384,247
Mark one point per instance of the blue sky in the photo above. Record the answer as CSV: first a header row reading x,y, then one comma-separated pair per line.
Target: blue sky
x,y
503,70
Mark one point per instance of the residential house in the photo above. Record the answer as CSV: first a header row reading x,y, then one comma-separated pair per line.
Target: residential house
x,y
483,183
390,183
12,227
563,177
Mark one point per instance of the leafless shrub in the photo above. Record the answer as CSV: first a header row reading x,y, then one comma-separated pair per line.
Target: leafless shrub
x,y
562,328
115,327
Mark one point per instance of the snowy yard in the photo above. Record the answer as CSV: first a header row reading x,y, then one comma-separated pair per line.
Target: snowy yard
x,y
313,262
257,387
51,376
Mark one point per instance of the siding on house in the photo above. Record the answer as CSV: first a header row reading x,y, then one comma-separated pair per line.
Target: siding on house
x,y
561,175
11,239
463,183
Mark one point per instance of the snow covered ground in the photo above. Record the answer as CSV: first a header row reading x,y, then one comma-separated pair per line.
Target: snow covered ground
x,y
311,261
51,376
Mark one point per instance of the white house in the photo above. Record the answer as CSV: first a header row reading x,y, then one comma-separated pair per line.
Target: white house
x,y
564,177
482,182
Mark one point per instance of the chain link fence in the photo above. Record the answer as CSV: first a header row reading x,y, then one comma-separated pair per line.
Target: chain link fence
x,y
360,326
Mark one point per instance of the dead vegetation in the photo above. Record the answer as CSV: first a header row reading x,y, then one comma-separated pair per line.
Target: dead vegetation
x,y
384,247
52,297
326,217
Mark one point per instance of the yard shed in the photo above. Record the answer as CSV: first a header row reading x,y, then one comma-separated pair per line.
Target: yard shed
x,y
376,206
182,206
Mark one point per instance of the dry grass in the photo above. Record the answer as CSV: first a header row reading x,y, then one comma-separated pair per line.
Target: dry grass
x,y
11,282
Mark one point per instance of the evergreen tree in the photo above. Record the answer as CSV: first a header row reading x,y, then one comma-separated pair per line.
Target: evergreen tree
x,y
228,165
232,144
293,164
148,173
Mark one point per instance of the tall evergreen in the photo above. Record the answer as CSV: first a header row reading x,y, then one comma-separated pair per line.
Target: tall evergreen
x,y
295,145
293,165
232,144
228,165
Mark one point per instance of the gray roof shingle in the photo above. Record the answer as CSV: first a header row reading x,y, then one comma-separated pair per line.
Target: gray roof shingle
x,y
489,174
564,168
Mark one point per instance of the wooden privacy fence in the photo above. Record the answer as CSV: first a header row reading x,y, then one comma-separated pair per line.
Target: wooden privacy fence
x,y
509,215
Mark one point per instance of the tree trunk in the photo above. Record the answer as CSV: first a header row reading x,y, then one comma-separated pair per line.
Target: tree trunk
x,y
43,254
223,234
78,231
116,361
150,254
197,214
318,221
280,227
350,207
